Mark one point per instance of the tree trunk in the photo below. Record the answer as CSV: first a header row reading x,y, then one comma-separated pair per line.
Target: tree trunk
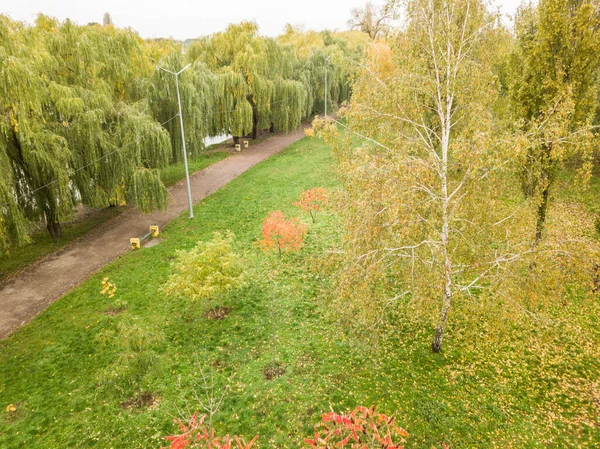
x,y
547,178
53,225
236,140
436,345
272,128
254,124
541,213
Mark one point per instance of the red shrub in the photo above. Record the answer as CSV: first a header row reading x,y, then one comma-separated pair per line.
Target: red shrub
x,y
281,234
312,201
361,429
196,435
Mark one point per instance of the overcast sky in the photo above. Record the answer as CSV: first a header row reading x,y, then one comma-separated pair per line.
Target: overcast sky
x,y
183,19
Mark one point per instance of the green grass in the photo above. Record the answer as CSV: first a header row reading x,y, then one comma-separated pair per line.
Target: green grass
x,y
524,385
176,172
42,244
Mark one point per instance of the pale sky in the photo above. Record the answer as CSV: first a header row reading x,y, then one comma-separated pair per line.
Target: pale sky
x,y
183,19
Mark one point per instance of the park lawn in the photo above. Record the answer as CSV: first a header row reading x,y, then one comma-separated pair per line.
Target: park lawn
x,y
42,244
518,385
176,172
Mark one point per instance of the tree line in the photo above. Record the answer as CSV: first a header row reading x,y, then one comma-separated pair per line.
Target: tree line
x,y
86,117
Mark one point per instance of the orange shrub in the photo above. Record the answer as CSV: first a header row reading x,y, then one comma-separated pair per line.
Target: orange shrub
x,y
312,201
281,234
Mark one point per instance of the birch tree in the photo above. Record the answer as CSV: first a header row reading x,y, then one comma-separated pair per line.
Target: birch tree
x,y
423,209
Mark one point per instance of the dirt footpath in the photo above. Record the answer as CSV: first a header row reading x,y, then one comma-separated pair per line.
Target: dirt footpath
x,y
29,292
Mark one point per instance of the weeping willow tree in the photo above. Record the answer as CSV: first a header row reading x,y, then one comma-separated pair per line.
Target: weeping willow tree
x,y
252,80
82,107
12,222
69,131
336,53
198,98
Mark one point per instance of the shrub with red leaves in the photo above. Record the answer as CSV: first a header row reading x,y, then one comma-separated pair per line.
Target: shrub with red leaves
x,y
281,234
361,429
312,201
196,435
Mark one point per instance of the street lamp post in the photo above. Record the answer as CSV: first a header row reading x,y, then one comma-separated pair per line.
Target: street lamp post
x,y
185,162
326,64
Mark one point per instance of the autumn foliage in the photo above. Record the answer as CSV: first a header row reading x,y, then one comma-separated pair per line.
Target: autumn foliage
x,y
312,201
362,428
282,234
196,435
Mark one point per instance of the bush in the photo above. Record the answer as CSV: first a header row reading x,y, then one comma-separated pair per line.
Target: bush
x,y
281,234
208,270
196,435
363,428
312,201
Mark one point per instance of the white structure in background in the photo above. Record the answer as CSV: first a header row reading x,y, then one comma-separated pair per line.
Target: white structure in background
x,y
216,139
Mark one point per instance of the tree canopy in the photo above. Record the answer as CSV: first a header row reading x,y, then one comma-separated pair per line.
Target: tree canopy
x,y
553,89
70,131
88,117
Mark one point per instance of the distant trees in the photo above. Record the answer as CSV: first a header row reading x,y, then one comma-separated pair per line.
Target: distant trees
x,y
107,19
82,107
371,19
265,83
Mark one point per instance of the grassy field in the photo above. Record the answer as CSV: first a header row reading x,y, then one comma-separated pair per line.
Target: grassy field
x,y
176,172
42,244
72,383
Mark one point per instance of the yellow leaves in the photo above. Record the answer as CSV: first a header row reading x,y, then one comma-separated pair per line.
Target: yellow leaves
x,y
381,59
207,270
11,408
13,120
108,288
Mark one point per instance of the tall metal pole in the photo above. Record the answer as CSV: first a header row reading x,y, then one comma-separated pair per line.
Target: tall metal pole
x,y
326,90
185,162
187,173
326,64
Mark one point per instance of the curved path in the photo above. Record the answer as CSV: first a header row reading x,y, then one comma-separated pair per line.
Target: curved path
x,y
32,290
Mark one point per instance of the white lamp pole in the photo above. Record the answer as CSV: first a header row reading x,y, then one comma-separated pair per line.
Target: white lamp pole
x,y
326,64
185,162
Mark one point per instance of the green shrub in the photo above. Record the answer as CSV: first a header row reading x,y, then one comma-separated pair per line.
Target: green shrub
x,y
208,270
